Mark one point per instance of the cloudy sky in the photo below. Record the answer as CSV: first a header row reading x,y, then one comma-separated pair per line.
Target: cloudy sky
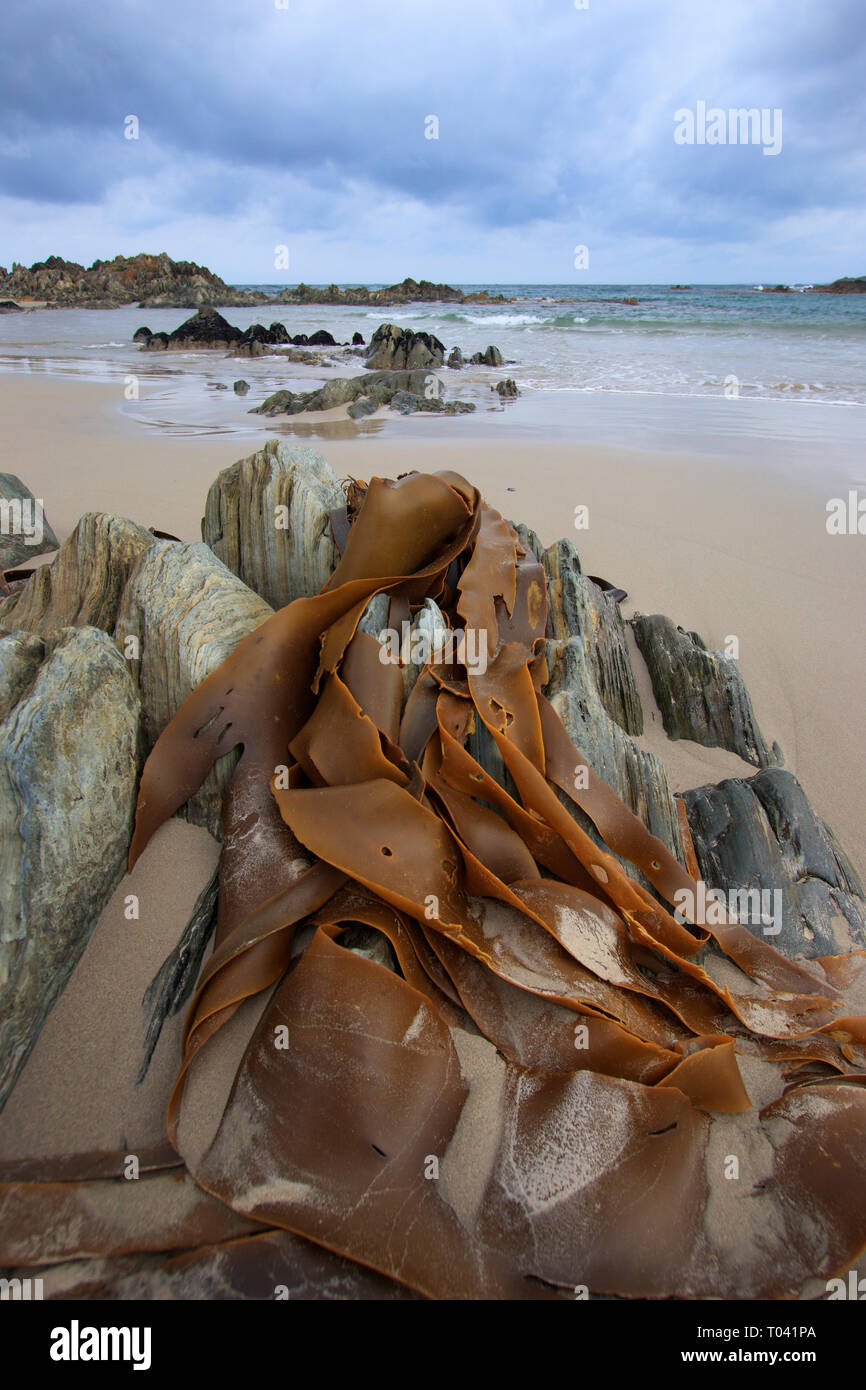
x,y
304,124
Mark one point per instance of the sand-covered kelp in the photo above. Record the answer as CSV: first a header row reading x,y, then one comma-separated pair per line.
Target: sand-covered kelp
x,y
549,1090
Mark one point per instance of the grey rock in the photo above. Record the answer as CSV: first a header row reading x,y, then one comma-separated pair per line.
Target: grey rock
x,y
761,834
636,775
24,529
241,387
21,655
531,544
578,608
371,944
267,519
375,616
455,359
701,694
392,348
68,773
507,389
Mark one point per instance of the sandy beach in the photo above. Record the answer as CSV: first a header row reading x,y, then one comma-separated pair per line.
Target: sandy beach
x,y
722,548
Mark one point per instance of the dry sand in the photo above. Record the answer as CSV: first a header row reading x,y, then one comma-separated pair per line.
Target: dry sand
x,y
722,549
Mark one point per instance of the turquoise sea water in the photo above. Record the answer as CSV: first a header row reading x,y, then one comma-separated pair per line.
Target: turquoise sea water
x,y
712,366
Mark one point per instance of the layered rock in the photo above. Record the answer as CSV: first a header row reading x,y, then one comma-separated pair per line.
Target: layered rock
x,y
68,775
84,583
761,835
400,348
578,608
636,775
156,281
701,694
267,518
24,530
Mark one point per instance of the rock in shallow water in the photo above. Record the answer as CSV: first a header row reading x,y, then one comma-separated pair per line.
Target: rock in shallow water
x,y
362,394
400,348
68,751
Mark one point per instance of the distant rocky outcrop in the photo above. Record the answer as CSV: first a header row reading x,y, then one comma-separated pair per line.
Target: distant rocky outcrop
x,y
8,306
407,292
848,284
152,281
405,391
394,348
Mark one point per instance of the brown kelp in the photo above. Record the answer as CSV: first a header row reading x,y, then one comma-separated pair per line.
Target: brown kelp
x,y
572,1051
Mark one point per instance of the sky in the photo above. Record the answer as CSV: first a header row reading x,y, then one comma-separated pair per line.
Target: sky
x,y
485,141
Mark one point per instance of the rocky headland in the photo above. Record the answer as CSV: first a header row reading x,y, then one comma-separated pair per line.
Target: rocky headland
x,y
158,282
152,281
848,284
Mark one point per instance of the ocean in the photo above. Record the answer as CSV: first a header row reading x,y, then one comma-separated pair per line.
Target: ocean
x,y
709,366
